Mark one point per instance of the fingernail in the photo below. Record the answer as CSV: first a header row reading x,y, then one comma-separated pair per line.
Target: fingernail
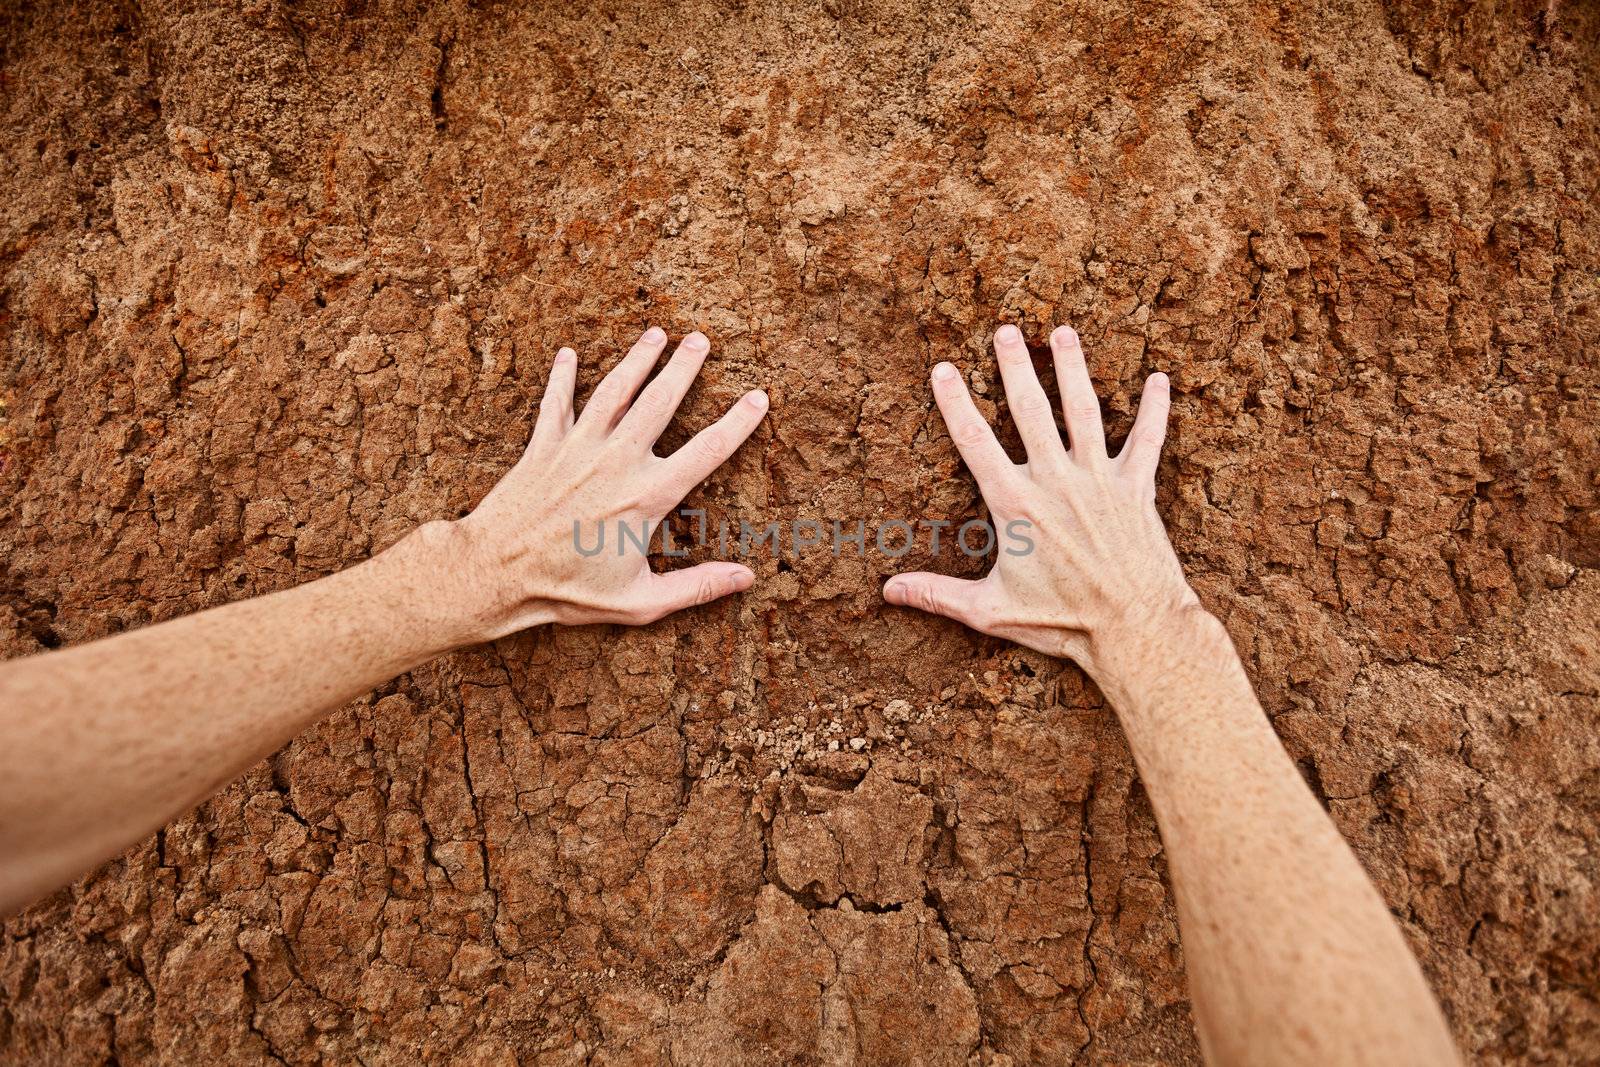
x,y
894,592
743,579
1064,335
758,399
565,355
654,335
1161,381
1008,334
943,372
696,342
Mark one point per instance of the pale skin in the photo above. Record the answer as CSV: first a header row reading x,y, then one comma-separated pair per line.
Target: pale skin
x,y
1292,956
102,744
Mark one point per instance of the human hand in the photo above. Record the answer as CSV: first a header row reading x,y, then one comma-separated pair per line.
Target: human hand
x,y
514,561
1101,566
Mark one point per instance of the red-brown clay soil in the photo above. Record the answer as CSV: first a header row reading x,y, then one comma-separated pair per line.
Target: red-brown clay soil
x,y
281,281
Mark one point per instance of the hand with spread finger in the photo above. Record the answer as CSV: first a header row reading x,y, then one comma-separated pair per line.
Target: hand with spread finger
x,y
144,724
1100,561
1292,956
588,477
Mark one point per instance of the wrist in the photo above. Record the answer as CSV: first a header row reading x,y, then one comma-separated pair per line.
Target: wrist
x,y
1178,686
1136,653
432,573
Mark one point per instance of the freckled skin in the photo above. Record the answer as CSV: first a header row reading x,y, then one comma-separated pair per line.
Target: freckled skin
x,y
1292,956
102,744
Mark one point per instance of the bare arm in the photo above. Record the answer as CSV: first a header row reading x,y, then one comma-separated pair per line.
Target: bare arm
x,y
104,743
1292,956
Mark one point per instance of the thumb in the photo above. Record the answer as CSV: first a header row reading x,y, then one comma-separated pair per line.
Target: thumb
x,y
960,599
700,584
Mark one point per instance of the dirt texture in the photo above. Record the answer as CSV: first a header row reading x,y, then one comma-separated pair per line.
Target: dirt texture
x,y
281,281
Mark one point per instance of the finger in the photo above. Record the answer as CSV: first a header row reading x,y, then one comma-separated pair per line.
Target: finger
x,y
961,599
1078,402
659,401
1141,454
972,435
616,389
555,407
1029,405
662,594
710,448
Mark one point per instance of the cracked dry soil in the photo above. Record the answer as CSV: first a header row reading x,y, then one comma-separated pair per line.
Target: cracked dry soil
x,y
282,280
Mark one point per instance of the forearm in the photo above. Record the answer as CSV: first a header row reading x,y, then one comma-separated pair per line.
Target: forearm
x,y
104,743
1292,955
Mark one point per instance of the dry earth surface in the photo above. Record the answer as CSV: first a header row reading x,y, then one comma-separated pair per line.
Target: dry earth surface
x,y
280,281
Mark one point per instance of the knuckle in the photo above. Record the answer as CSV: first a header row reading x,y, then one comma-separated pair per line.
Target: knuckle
x,y
709,590
1031,404
1009,500
659,496
711,445
1023,509
925,598
1083,412
1095,482
652,403
970,432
